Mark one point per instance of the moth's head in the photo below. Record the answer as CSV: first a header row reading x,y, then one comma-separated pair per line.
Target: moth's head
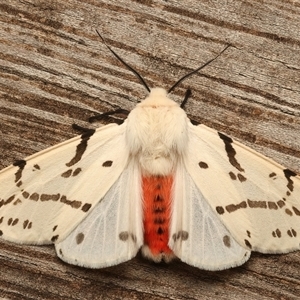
x,y
157,97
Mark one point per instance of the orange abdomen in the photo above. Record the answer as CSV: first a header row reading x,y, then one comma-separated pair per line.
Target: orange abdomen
x,y
157,212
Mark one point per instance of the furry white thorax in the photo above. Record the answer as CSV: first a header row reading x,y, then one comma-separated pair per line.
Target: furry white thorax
x,y
157,133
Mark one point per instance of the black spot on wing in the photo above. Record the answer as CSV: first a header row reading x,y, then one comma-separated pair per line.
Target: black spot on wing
x,y
296,211
292,232
203,165
256,204
81,147
107,163
226,241
288,212
247,243
70,172
54,238
276,233
1,232
79,238
86,207
182,235
21,164
220,210
67,173
123,236
288,174
12,222
72,203
7,201
27,224
233,207
36,167
230,151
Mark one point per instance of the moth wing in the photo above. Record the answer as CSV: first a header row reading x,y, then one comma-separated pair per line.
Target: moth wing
x,y
112,232
44,197
256,199
198,237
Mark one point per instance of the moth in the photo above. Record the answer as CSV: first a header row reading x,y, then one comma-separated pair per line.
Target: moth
x,y
157,183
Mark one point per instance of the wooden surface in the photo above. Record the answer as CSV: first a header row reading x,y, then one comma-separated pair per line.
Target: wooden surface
x,y
55,71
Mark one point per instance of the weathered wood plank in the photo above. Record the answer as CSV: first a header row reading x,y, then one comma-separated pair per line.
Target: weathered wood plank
x,y
55,71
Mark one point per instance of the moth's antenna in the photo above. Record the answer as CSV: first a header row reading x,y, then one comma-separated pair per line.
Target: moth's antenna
x,y
125,64
198,69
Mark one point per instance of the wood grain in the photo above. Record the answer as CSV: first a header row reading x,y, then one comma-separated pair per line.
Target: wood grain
x,y
55,71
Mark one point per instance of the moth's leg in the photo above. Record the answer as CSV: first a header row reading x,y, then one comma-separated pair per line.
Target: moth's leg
x,y
107,116
185,99
80,128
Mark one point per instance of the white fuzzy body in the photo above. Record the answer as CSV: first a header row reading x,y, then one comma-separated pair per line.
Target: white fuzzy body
x,y
156,133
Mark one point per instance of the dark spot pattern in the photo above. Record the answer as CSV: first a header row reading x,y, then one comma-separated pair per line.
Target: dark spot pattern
x,y
76,172
280,203
160,231
232,175
220,210
54,238
226,241
257,204
81,147
288,174
7,201
79,238
276,233
70,173
273,175
67,174
230,151
288,212
25,194
182,234
296,211
50,197
292,232
54,228
12,222
21,164
247,243
123,236
1,232
159,220
107,163
233,207
27,224
72,203
272,205
203,165
34,197
241,177
86,207
18,201
248,233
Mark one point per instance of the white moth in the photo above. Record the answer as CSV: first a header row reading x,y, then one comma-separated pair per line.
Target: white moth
x,y
157,183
